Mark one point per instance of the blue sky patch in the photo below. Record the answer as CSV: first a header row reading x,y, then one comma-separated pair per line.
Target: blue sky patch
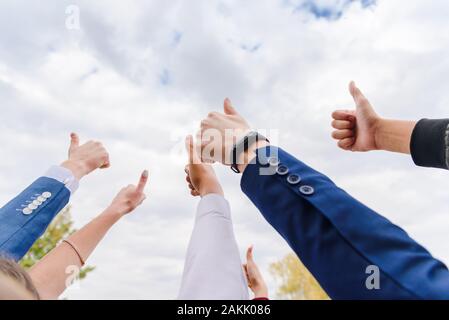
x,y
165,77
329,10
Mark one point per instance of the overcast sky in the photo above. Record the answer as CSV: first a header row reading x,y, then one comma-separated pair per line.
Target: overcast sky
x,y
140,75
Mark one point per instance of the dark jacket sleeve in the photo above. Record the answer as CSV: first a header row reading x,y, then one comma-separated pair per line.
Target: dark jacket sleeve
x,y
430,143
19,229
341,241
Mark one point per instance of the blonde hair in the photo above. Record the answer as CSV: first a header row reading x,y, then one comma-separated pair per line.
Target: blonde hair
x,y
10,270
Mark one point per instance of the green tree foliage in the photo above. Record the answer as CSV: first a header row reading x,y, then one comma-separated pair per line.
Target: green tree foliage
x,y
59,229
295,281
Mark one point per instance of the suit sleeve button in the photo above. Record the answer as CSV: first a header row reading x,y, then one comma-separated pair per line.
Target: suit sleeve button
x,y
282,170
46,195
27,211
307,190
294,179
273,161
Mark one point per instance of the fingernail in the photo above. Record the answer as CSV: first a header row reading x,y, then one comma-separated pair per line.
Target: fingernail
x,y
145,174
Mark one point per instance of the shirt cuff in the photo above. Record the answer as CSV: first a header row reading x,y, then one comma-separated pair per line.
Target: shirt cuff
x,y
64,176
213,203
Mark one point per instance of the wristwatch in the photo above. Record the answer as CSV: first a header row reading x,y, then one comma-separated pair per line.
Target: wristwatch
x,y
242,146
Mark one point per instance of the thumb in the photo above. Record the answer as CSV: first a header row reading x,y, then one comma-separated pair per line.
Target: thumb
x,y
228,108
191,151
249,254
358,96
74,142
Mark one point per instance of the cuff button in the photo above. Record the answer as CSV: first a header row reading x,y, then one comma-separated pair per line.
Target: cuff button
x,y
273,161
282,170
307,190
27,211
46,195
294,179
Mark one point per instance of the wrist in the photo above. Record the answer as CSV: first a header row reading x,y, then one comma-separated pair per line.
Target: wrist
x,y
379,127
248,156
211,189
77,168
261,292
113,212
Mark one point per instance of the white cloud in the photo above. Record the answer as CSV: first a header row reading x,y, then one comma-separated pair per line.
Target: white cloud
x,y
283,68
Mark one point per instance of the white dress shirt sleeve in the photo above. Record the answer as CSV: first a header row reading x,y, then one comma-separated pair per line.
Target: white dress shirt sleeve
x,y
64,176
213,268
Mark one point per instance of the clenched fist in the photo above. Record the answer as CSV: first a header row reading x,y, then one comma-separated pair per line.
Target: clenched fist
x,y
219,132
83,159
201,177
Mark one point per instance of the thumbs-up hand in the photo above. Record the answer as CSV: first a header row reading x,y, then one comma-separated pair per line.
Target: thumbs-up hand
x,y
254,277
83,159
356,129
219,132
130,197
201,177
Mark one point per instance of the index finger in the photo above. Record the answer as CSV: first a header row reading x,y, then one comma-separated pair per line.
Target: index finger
x,y
142,182
343,115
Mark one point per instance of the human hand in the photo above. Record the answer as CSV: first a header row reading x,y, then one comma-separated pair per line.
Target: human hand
x,y
356,129
201,177
219,132
255,279
83,159
130,197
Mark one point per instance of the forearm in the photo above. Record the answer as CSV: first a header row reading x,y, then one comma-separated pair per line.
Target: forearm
x,y
213,269
26,217
323,224
394,135
50,274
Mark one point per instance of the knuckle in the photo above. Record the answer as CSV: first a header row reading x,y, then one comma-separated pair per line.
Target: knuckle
x,y
213,114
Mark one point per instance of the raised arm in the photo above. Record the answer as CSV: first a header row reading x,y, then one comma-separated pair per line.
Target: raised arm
x,y
352,251
212,269
25,218
50,274
256,282
363,130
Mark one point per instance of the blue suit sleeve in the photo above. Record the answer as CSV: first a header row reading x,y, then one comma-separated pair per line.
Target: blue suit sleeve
x,y
337,237
19,229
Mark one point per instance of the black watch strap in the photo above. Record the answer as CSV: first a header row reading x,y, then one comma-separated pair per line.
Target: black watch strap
x,y
243,145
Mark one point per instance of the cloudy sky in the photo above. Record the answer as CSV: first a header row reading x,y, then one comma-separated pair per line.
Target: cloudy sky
x,y
139,75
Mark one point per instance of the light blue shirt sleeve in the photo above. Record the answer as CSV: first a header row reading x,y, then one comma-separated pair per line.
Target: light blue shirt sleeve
x,y
64,176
